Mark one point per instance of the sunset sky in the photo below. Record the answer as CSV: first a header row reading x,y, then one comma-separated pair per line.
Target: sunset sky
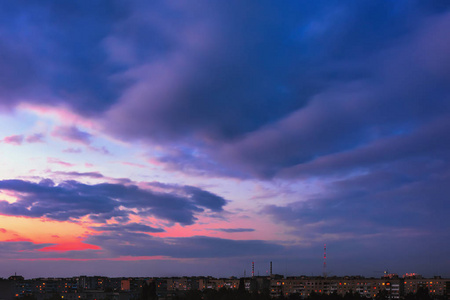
x,y
168,138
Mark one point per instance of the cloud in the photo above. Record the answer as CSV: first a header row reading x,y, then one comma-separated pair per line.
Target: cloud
x,y
204,198
126,163
196,87
58,75
71,200
200,197
53,160
192,162
234,230
72,150
134,227
282,107
35,138
406,196
72,134
11,249
101,150
121,244
349,97
254,97
139,244
80,174
427,141
14,140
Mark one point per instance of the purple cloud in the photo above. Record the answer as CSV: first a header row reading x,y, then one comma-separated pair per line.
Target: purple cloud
x,y
72,150
35,138
72,134
80,174
20,249
101,150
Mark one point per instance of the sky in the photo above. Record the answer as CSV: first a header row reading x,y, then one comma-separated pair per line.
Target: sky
x,y
170,138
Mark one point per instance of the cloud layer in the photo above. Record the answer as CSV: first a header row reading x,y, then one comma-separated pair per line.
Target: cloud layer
x,y
335,113
71,200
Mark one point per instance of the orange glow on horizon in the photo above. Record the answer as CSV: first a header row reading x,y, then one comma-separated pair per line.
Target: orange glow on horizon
x,y
39,230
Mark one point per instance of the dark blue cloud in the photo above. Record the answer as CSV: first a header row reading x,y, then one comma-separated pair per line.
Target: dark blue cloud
x,y
257,70
71,200
314,80
57,52
127,227
205,199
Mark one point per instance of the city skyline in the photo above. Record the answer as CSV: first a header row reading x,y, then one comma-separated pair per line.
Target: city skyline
x,y
172,138
264,287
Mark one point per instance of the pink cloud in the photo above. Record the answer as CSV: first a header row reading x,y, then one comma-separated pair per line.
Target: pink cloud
x,y
126,163
75,246
61,114
52,160
14,139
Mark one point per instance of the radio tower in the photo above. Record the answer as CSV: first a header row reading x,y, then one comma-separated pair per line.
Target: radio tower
x,y
324,260
253,269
